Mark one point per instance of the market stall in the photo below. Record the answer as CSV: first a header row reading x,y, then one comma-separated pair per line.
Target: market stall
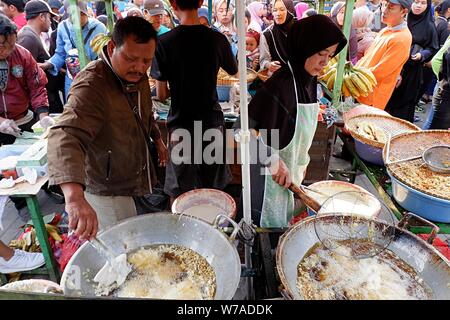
x,y
215,241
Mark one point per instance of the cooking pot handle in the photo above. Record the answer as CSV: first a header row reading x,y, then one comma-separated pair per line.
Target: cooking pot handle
x,y
235,225
285,294
403,224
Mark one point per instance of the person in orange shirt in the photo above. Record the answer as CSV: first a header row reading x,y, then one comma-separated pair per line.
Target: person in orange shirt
x,y
389,51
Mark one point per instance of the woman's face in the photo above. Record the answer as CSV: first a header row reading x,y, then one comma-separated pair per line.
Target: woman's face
x,y
419,6
315,64
340,16
223,16
279,12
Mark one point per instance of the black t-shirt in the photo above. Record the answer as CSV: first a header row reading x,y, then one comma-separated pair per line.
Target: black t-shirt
x,y
189,58
28,39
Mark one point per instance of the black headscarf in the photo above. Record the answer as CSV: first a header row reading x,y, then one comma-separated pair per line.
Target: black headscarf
x,y
280,32
308,37
274,105
422,28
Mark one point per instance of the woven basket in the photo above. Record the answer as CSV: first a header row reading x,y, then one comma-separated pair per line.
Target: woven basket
x,y
229,81
415,173
390,125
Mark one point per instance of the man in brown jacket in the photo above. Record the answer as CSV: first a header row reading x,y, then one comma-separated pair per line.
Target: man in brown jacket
x,y
97,151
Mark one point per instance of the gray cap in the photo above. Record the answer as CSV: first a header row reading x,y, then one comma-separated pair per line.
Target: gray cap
x,y
81,5
404,3
154,7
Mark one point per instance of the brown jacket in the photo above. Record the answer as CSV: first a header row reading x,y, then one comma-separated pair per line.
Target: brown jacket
x,y
97,141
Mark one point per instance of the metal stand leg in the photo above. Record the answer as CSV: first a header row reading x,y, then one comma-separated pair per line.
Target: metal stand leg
x,y
3,279
42,235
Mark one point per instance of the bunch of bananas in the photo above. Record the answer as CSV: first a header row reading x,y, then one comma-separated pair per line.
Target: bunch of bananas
x,y
98,42
357,82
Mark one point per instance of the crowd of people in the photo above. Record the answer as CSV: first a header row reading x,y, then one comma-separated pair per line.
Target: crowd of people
x,y
177,43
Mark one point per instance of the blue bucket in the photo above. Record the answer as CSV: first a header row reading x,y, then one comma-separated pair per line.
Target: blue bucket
x,y
223,93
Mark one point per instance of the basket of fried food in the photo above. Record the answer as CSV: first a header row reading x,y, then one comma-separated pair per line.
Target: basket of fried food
x,y
224,79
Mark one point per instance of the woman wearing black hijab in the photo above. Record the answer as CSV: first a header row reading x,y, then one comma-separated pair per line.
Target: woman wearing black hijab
x,y
424,45
273,43
287,106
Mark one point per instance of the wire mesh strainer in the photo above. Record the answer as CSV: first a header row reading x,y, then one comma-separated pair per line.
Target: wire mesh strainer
x,y
354,232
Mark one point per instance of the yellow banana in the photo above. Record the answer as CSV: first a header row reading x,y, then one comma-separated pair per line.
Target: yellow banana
x,y
351,88
345,91
330,81
366,81
329,74
95,39
359,84
368,74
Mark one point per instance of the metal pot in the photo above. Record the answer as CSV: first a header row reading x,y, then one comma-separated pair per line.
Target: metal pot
x,y
429,264
153,229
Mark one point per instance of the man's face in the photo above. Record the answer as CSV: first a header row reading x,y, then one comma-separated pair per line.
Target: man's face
x,y
7,45
6,10
393,14
155,20
250,44
132,60
138,3
46,21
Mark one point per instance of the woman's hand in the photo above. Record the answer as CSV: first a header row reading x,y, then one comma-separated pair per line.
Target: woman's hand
x,y
274,66
416,57
280,173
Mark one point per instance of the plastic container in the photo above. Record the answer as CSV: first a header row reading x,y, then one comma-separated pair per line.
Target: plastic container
x,y
343,191
223,92
205,204
8,167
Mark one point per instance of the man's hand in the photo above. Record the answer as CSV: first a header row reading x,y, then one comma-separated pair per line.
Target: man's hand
x,y
8,126
280,173
274,66
82,217
45,65
163,154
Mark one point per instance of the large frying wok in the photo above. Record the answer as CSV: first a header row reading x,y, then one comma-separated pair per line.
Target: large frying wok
x,y
429,264
153,229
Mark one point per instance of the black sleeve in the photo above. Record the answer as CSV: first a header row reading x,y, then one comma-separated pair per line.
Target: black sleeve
x,y
29,43
228,62
159,64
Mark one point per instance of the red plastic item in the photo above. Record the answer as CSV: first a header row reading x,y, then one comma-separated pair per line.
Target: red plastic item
x,y
69,247
442,246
